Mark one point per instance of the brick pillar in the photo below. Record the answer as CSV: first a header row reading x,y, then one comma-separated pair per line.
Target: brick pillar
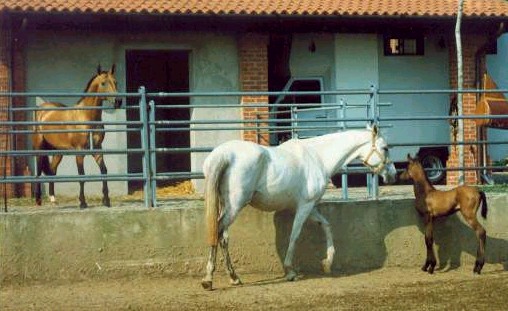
x,y
253,49
470,45
5,78
21,166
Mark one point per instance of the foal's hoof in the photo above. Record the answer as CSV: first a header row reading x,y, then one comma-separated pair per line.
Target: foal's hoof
x,y
106,202
478,268
428,267
207,285
83,205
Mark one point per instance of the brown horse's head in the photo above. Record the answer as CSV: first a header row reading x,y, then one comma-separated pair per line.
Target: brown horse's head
x,y
105,82
414,170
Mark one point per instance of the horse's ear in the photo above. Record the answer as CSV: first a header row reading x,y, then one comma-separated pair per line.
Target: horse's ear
x,y
375,130
409,159
113,68
99,69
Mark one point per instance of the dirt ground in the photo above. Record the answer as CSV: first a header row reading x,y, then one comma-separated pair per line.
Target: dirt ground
x,y
383,289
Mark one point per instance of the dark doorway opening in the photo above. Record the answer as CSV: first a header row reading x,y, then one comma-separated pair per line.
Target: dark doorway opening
x,y
279,73
159,71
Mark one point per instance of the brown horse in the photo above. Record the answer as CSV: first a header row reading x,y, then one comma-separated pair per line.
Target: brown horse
x,y
432,203
43,139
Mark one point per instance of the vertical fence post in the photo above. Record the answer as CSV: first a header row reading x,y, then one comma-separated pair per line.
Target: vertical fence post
x,y
258,133
294,125
153,154
344,184
146,150
375,118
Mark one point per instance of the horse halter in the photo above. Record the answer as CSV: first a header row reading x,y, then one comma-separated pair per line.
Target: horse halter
x,y
373,150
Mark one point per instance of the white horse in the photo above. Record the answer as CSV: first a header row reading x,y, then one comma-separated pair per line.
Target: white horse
x,y
293,176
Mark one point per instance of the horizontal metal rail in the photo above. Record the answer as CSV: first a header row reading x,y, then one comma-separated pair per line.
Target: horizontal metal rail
x,y
89,130
147,126
71,178
69,152
70,123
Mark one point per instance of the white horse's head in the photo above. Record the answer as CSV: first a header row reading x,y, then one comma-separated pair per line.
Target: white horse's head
x,y
376,157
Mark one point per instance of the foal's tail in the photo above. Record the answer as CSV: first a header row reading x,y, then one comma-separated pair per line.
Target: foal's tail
x,y
483,199
212,199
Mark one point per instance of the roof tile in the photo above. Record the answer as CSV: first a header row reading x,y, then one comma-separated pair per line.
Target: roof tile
x,y
431,8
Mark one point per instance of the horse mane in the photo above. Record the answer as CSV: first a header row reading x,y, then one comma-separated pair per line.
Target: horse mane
x,y
89,83
425,177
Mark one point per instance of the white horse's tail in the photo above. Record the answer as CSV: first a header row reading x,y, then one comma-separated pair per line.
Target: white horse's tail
x,y
212,199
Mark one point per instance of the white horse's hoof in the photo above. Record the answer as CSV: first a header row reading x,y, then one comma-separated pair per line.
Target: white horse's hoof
x,y
235,282
291,276
327,266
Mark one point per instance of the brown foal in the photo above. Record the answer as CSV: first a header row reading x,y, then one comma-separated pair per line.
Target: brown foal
x,y
432,203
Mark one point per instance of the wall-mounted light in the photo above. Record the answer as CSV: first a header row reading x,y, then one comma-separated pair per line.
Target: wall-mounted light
x,y
312,46
441,43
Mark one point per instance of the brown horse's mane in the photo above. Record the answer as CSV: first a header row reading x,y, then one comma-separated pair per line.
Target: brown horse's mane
x,y
88,84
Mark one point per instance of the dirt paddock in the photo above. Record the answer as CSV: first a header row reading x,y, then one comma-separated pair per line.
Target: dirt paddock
x,y
383,289
393,287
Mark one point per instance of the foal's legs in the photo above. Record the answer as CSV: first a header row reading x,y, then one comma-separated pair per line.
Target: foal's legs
x,y
55,161
99,159
470,217
430,262
330,249
81,171
302,213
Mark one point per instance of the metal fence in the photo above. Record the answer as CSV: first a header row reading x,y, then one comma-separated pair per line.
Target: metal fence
x,y
272,120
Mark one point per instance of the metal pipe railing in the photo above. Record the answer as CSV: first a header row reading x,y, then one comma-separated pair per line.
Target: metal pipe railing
x,y
148,126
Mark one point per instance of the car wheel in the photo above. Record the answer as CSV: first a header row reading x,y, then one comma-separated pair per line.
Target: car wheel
x,y
432,161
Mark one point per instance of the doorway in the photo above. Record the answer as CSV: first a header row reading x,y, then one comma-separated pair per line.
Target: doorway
x,y
159,71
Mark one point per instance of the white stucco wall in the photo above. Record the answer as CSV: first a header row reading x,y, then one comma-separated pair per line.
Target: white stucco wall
x,y
320,63
357,61
65,61
427,72
497,67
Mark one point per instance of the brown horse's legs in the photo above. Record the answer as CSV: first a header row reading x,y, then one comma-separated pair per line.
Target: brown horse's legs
x,y
37,188
430,262
224,243
210,268
81,172
55,161
104,171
